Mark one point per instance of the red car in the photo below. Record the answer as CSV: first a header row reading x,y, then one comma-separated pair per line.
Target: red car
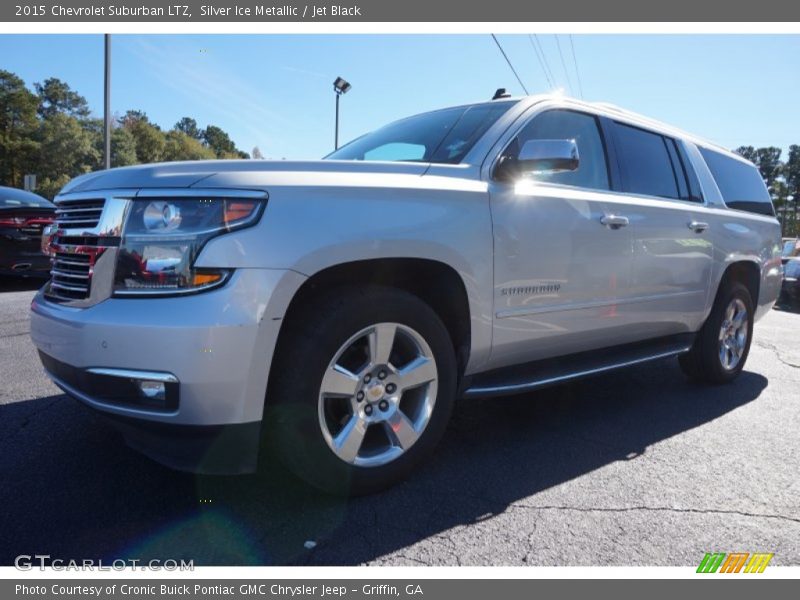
x,y
23,216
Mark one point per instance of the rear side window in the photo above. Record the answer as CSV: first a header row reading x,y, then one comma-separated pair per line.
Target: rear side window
x,y
739,183
646,163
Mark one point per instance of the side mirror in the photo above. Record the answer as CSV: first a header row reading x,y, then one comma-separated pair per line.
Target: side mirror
x,y
539,156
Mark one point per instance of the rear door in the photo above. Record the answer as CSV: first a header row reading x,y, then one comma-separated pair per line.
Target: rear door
x,y
672,252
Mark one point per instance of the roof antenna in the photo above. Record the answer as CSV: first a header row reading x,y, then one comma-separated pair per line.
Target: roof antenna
x,y
501,93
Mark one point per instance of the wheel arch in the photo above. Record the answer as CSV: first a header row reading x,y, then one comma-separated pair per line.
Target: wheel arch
x,y
747,272
434,282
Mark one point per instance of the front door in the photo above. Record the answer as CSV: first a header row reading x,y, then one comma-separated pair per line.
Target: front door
x,y
563,250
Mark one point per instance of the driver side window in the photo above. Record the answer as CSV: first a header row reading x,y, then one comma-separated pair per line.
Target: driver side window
x,y
592,171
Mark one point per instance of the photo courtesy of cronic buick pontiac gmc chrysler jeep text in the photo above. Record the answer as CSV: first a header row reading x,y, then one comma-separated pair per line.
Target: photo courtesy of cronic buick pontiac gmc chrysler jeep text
x,y
336,309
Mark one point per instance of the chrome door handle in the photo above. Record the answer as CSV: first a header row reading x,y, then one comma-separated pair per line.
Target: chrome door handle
x,y
697,226
614,221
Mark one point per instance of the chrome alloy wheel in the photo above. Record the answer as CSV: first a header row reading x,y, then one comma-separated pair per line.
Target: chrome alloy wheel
x,y
377,394
733,334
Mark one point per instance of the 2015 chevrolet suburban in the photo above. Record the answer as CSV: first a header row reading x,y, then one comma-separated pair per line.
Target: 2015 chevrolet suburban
x,y
337,308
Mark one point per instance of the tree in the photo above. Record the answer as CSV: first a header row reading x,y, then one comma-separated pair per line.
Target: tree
x,y
123,147
131,117
768,161
18,125
748,152
189,126
256,153
149,139
180,146
66,150
55,96
219,141
769,164
791,173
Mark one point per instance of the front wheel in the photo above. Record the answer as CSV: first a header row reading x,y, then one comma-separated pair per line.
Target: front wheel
x,y
723,344
363,387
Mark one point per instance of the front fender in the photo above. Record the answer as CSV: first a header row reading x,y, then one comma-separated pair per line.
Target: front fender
x,y
308,230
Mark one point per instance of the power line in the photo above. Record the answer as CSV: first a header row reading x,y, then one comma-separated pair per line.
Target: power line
x,y
550,75
513,70
541,62
575,60
564,64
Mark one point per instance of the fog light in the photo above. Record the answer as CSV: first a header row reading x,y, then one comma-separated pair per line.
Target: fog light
x,y
153,390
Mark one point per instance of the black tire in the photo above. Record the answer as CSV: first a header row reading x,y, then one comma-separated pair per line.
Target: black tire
x,y
310,339
703,363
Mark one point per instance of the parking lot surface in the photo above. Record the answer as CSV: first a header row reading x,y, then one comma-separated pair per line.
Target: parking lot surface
x,y
636,467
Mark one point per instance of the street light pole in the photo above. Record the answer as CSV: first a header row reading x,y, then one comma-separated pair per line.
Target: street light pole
x,y
336,134
340,86
107,104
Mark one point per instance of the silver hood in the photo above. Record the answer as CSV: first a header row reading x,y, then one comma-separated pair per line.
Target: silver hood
x,y
233,173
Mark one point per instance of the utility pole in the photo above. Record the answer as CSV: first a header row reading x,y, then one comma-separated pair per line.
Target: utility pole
x,y
107,104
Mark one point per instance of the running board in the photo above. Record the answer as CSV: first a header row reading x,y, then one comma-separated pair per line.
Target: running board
x,y
530,376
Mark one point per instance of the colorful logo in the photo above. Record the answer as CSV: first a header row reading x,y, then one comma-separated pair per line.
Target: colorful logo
x,y
735,562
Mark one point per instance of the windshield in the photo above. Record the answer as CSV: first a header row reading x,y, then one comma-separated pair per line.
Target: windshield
x,y
442,136
791,248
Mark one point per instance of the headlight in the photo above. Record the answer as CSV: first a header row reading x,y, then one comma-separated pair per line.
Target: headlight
x,y
163,236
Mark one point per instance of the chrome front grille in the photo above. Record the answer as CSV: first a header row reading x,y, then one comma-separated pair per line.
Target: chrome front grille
x,y
71,276
83,248
79,214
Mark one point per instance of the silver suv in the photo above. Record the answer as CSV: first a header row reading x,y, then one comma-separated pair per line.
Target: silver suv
x,y
337,308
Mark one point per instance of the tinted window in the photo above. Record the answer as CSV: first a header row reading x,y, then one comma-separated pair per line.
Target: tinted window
x,y
14,198
739,183
442,136
592,171
645,163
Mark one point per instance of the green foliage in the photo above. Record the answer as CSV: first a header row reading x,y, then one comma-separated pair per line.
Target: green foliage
x,y
791,175
180,146
149,140
123,147
64,145
189,126
66,149
782,180
52,134
791,171
55,97
18,126
768,161
219,142
769,164
749,152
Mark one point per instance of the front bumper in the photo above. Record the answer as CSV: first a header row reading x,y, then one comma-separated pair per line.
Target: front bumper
x,y
218,345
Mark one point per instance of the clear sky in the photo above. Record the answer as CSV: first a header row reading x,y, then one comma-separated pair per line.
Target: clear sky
x,y
275,91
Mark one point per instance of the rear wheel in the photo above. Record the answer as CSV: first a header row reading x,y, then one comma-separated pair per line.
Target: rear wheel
x,y
362,388
723,344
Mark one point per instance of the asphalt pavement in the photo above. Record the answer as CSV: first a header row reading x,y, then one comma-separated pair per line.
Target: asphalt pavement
x,y
636,467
